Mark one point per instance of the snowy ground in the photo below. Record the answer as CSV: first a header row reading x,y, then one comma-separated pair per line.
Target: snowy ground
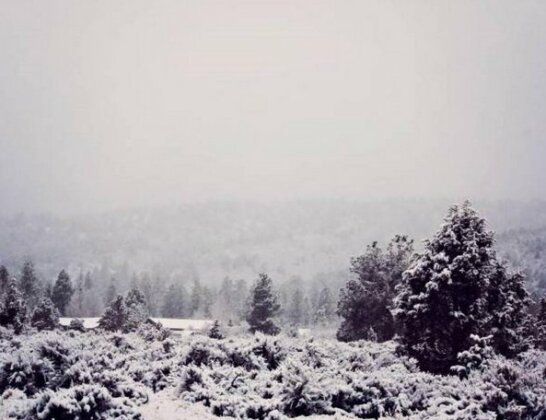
x,y
165,405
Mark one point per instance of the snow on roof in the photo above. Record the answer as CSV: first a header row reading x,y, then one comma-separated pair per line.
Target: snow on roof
x,y
169,323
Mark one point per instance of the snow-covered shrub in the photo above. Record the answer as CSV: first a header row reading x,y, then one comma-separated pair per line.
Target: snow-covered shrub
x,y
153,331
84,402
203,352
269,350
302,393
157,377
5,334
190,377
475,357
258,377
215,331
25,370
76,325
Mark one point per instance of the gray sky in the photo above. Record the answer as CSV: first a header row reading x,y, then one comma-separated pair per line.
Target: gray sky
x,y
107,104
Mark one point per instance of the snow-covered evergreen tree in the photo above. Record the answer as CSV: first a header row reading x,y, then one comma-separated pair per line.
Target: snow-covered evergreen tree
x,y
115,315
264,307
45,315
62,292
14,309
445,296
137,310
365,302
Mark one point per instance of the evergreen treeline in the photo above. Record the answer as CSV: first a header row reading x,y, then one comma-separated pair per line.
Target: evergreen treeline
x,y
299,305
445,306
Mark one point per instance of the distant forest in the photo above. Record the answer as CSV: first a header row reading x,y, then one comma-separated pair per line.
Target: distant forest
x,y
208,249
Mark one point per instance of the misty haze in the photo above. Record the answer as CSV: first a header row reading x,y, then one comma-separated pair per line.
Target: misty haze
x,y
272,209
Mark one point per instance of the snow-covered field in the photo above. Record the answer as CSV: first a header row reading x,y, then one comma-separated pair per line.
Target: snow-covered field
x,y
66,374
175,324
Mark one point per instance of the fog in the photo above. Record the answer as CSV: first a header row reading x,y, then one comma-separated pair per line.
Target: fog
x,y
107,105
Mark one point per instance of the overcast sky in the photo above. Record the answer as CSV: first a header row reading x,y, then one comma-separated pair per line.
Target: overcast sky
x,y
107,104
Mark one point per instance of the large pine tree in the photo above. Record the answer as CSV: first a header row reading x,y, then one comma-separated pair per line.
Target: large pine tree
x,y
45,316
264,307
365,302
13,311
457,288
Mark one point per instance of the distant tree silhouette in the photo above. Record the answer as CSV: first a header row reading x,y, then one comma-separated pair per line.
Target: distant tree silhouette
x,y
264,307
62,292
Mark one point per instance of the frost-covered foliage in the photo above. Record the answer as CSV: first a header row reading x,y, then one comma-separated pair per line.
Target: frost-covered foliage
x,y
115,315
45,315
85,402
89,375
273,378
458,288
99,375
137,310
125,314
13,310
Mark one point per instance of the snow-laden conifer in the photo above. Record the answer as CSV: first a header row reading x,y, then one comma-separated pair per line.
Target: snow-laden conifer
x,y
455,289
264,307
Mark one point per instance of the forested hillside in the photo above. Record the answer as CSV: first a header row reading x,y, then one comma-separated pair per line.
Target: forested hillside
x,y
310,239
